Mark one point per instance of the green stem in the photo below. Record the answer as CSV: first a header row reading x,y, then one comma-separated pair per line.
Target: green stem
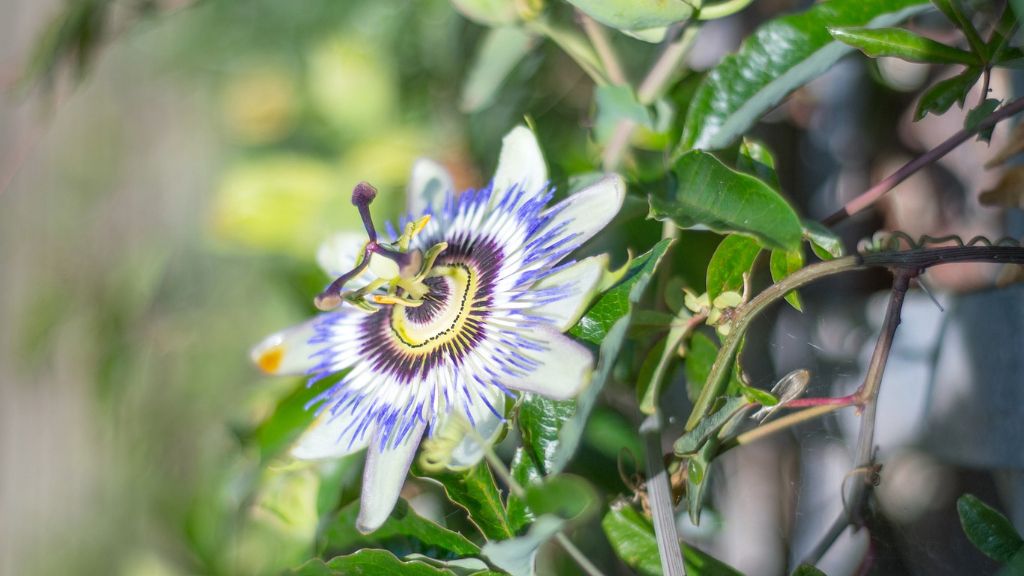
x,y
651,88
518,491
605,51
723,363
575,46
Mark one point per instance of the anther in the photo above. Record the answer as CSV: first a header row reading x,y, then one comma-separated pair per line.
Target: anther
x,y
362,196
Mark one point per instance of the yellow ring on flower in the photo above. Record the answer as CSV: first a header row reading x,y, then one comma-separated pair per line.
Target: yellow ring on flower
x,y
450,320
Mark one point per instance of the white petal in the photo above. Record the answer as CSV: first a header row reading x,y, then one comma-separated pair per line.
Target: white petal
x,y
579,283
586,212
565,367
384,477
338,255
487,425
519,164
428,186
330,437
287,351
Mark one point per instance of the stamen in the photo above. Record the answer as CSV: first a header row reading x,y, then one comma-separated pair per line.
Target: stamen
x,y
428,260
395,300
362,197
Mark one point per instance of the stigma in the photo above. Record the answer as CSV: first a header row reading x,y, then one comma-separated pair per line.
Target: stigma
x,y
398,269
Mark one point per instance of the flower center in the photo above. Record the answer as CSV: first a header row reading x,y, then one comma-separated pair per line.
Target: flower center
x,y
445,320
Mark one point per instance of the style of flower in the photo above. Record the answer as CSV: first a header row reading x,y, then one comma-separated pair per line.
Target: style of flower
x,y
462,308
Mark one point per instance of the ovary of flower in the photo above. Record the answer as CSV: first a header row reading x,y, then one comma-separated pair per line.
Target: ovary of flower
x,y
466,307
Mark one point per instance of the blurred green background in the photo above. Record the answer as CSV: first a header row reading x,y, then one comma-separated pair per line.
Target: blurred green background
x,y
163,215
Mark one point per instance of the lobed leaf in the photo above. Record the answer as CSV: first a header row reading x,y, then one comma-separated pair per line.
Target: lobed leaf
x,y
655,366
368,562
404,522
902,44
614,304
475,491
615,103
778,58
700,357
940,97
606,323
783,264
524,471
632,537
733,259
988,530
540,420
757,160
565,496
637,14
824,242
711,194
978,114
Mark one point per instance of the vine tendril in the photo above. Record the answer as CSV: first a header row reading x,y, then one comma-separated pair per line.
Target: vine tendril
x,y
901,241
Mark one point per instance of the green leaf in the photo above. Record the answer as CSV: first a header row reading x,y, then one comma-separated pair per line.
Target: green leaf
x,y
498,54
655,367
690,442
458,566
565,496
525,472
609,433
758,396
1018,9
632,537
807,570
783,264
711,194
778,58
475,491
607,323
1015,567
902,44
825,244
940,97
368,562
614,304
288,420
698,475
518,555
540,420
573,43
757,160
404,522
615,103
988,530
636,14
700,357
733,258
978,114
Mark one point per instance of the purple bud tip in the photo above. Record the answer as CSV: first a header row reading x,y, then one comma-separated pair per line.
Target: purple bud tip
x,y
363,194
